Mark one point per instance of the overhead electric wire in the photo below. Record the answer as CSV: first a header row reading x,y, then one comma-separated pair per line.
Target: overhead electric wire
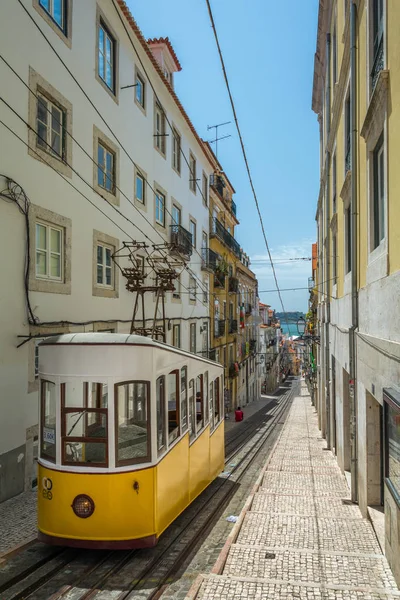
x,y
243,150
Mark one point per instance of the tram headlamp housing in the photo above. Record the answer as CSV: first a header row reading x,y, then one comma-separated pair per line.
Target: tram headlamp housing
x,y
83,506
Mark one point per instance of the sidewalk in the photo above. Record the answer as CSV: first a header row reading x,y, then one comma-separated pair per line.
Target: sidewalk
x,y
17,521
298,535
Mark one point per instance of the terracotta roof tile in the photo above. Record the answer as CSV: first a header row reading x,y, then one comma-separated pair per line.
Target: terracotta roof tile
x,y
166,41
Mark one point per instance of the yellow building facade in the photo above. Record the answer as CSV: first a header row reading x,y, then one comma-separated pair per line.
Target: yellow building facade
x,y
356,95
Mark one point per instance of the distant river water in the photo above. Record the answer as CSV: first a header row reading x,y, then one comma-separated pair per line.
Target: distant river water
x,y
291,330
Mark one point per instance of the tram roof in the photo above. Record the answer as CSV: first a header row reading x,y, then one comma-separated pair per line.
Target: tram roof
x,y
114,339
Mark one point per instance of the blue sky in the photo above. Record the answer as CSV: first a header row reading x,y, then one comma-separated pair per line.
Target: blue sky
x,y
268,48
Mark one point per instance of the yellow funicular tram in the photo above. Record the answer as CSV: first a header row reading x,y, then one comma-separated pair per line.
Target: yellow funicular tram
x,y
131,431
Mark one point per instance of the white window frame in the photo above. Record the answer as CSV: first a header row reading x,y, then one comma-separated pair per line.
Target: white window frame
x,y
192,172
47,147
176,335
159,208
205,291
176,150
176,295
192,338
140,84
193,232
143,180
103,168
192,288
102,284
159,129
49,252
103,52
50,12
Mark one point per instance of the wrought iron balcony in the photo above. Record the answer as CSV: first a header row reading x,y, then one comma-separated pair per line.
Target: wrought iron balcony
x,y
219,328
233,207
378,64
218,183
219,231
209,259
233,284
233,325
348,154
181,240
219,279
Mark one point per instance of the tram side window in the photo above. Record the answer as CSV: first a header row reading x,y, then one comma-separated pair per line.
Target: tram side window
x,y
211,404
205,398
217,411
84,412
184,398
132,422
173,405
192,411
160,401
199,402
48,421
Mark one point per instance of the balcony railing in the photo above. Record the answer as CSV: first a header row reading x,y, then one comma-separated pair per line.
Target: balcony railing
x,y
209,259
233,284
181,240
233,207
219,279
219,328
378,64
218,230
248,309
233,325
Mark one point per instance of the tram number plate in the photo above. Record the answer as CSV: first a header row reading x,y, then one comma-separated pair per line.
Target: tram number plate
x,y
49,435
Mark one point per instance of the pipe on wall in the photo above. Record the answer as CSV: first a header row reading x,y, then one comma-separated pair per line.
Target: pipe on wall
x,y
327,247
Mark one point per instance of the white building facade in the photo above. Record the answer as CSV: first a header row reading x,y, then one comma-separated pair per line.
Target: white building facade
x,y
95,150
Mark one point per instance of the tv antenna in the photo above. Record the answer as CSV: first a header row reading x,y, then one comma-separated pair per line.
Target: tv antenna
x,y
216,135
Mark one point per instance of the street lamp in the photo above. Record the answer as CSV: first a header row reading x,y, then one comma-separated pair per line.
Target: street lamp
x,y
301,325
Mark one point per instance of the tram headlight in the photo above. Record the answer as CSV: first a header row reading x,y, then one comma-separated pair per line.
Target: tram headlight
x,y
83,506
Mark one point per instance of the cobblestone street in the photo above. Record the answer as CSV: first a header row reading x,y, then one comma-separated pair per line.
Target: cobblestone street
x,y
18,523
298,535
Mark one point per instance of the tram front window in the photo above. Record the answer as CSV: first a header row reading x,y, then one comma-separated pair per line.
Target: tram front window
x,y
84,423
48,421
132,422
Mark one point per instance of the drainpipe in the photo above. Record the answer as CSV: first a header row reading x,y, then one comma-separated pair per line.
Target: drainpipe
x,y
354,257
327,249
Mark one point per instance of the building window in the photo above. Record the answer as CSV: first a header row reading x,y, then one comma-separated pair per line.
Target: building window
x,y
347,135
176,336
50,127
205,291
334,184
378,198
377,41
176,215
49,252
192,345
140,188
56,10
334,258
205,189
192,289
132,422
105,168
140,91
192,230
106,57
176,151
347,220
104,266
159,126
192,173
177,292
160,208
